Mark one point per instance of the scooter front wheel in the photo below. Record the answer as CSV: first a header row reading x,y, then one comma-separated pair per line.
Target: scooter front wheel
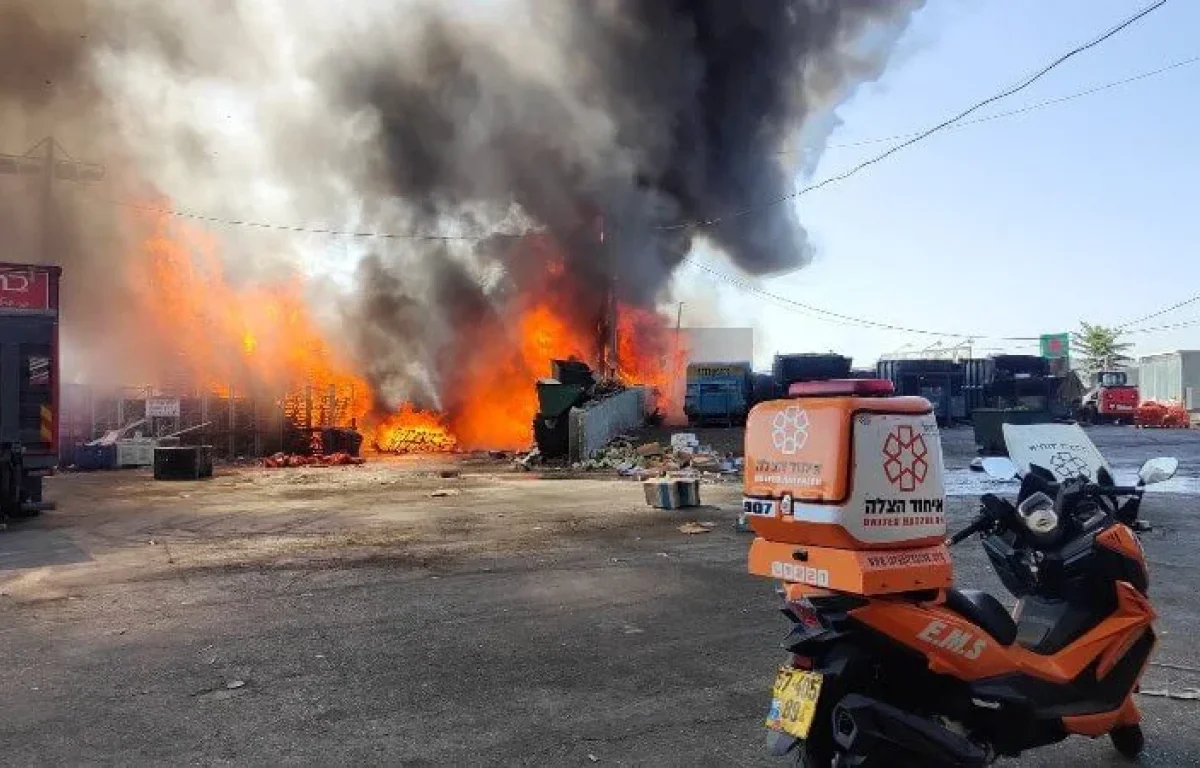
x,y
1128,740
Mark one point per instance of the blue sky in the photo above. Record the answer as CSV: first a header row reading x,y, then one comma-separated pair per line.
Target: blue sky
x,y
1085,210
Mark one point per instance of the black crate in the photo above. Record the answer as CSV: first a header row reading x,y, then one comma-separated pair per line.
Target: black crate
x,y
186,462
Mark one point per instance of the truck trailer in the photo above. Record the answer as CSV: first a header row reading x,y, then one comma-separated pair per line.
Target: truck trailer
x,y
29,385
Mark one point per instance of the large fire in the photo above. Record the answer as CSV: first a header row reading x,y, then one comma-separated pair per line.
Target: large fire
x,y
265,340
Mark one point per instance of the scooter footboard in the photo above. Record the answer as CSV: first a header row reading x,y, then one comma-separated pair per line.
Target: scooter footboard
x,y
872,732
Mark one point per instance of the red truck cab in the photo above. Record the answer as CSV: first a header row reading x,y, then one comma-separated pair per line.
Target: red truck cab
x,y
29,384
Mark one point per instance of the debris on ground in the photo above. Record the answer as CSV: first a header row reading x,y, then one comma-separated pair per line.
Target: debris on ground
x,y
695,528
685,442
288,460
685,458
525,461
447,474
444,492
1162,415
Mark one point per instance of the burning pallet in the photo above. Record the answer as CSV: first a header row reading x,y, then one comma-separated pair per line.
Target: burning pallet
x,y
416,441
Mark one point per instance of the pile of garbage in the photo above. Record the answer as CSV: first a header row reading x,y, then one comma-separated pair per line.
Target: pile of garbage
x,y
289,460
684,457
1162,415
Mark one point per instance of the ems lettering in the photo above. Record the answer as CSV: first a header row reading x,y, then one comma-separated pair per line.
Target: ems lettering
x,y
953,639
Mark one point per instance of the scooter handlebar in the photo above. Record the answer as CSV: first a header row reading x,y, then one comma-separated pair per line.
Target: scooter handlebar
x,y
976,526
1114,490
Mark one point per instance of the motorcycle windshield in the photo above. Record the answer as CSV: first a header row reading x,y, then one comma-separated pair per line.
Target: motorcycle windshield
x,y
1064,449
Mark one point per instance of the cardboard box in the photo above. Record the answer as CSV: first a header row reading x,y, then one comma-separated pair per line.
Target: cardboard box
x,y
668,493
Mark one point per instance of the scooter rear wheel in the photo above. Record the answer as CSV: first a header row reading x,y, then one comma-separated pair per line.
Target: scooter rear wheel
x,y
1128,740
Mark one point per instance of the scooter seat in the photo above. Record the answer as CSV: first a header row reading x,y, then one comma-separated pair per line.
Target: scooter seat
x,y
984,611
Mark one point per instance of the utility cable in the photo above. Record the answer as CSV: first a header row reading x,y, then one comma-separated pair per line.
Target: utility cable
x,y
1020,110
838,317
313,230
1159,313
926,133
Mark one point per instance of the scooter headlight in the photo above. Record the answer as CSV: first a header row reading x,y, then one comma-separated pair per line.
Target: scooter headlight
x,y
1038,514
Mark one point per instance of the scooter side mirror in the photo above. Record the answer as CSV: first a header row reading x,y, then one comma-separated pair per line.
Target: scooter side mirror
x,y
1000,468
1158,470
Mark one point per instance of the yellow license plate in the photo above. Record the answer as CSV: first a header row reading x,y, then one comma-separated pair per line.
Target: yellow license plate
x,y
794,701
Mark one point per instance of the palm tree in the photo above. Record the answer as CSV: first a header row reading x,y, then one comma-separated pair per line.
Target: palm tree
x,y
1100,347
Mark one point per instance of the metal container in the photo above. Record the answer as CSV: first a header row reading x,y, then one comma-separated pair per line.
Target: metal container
x,y
188,462
763,385
938,381
556,398
552,435
573,372
789,369
1021,365
93,457
989,426
135,452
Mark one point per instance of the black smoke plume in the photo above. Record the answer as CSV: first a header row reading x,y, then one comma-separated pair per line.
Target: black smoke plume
x,y
646,112
433,116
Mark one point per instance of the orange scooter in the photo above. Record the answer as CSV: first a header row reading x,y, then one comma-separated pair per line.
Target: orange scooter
x,y
890,664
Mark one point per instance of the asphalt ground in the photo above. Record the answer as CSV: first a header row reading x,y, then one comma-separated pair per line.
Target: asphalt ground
x,y
350,616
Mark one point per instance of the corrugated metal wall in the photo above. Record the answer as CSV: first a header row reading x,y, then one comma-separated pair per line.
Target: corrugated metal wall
x,y
1171,377
1190,376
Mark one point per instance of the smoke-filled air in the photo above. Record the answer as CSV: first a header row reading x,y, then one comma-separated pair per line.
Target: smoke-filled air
x,y
531,161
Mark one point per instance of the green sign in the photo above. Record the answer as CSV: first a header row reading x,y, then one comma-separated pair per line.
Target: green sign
x,y
1056,346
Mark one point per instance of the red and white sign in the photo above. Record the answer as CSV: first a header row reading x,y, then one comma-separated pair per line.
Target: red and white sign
x,y
25,289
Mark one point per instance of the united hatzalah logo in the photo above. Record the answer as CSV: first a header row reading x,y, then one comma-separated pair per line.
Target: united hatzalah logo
x,y
905,458
789,430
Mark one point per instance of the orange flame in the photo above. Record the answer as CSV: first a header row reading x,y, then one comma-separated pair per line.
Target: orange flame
x,y
251,339
264,340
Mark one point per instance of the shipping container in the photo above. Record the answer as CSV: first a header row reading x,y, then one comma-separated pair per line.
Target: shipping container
x,y
938,381
718,392
808,366
1171,377
29,380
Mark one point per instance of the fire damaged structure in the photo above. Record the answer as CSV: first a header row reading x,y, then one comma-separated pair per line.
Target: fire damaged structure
x,y
233,424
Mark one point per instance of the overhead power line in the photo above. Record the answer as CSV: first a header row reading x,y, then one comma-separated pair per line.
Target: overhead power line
x,y
313,230
838,317
926,133
1159,313
1171,327
1020,110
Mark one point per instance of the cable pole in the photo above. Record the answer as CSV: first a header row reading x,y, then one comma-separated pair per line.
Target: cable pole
x,y
51,169
48,204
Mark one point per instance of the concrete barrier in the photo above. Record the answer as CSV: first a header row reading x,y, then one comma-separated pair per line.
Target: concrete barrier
x,y
594,425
